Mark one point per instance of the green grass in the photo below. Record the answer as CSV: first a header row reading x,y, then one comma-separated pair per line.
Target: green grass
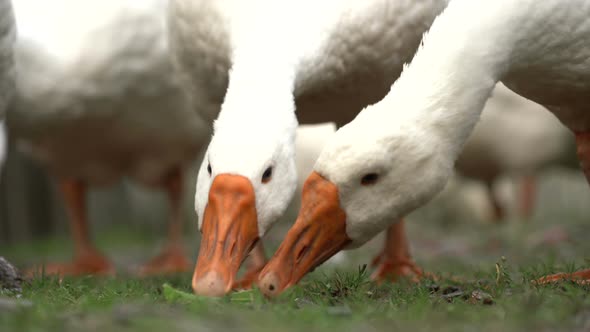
x,y
340,301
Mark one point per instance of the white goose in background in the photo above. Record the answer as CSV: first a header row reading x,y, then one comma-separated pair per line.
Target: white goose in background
x,y
7,35
506,141
309,142
96,101
398,153
345,56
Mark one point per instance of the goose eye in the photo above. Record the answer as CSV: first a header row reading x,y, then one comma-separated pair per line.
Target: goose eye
x,y
369,179
209,169
267,175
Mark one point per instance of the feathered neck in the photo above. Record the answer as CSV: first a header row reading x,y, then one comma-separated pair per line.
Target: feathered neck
x,y
259,97
444,89
261,84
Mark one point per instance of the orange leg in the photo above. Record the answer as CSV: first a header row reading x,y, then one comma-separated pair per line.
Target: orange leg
x,y
583,149
256,262
581,277
172,259
498,209
87,259
527,196
583,144
395,260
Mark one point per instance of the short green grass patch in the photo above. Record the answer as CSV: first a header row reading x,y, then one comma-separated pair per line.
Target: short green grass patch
x,y
500,298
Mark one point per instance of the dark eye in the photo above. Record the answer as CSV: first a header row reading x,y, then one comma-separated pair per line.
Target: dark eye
x,y
267,175
369,179
209,169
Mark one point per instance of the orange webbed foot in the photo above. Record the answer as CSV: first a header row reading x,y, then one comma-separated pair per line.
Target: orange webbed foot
x,y
580,277
393,269
171,260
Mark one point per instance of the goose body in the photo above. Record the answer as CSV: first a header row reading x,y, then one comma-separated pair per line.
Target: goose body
x,y
7,36
96,101
344,57
510,125
398,153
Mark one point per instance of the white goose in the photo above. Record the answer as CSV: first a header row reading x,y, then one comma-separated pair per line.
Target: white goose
x,y
400,152
343,57
7,34
496,146
309,142
96,101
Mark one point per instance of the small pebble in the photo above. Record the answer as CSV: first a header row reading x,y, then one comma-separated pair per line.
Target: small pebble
x,y
483,297
433,288
480,295
302,303
449,297
450,289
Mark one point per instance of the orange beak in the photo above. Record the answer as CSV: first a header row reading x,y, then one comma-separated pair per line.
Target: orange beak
x,y
318,234
229,231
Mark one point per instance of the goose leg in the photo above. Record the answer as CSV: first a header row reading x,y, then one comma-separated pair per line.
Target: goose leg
x,y
395,261
583,149
87,259
172,259
256,262
528,187
499,213
581,277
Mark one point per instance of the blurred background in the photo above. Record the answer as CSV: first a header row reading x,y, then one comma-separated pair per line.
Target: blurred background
x,y
518,188
32,206
457,227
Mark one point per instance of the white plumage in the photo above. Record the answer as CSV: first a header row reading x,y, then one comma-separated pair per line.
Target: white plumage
x,y
442,93
346,56
96,98
507,137
399,153
293,61
518,138
309,143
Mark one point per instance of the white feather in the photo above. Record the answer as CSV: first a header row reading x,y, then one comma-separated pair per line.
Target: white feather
x,y
97,99
414,135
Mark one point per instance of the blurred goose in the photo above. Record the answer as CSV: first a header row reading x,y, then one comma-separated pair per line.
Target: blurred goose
x,y
501,145
343,58
7,34
309,142
398,153
96,101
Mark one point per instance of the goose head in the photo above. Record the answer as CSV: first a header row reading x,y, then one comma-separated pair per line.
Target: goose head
x,y
370,174
245,183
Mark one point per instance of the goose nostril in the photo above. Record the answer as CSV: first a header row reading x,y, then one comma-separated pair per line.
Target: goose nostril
x,y
269,284
254,243
302,253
